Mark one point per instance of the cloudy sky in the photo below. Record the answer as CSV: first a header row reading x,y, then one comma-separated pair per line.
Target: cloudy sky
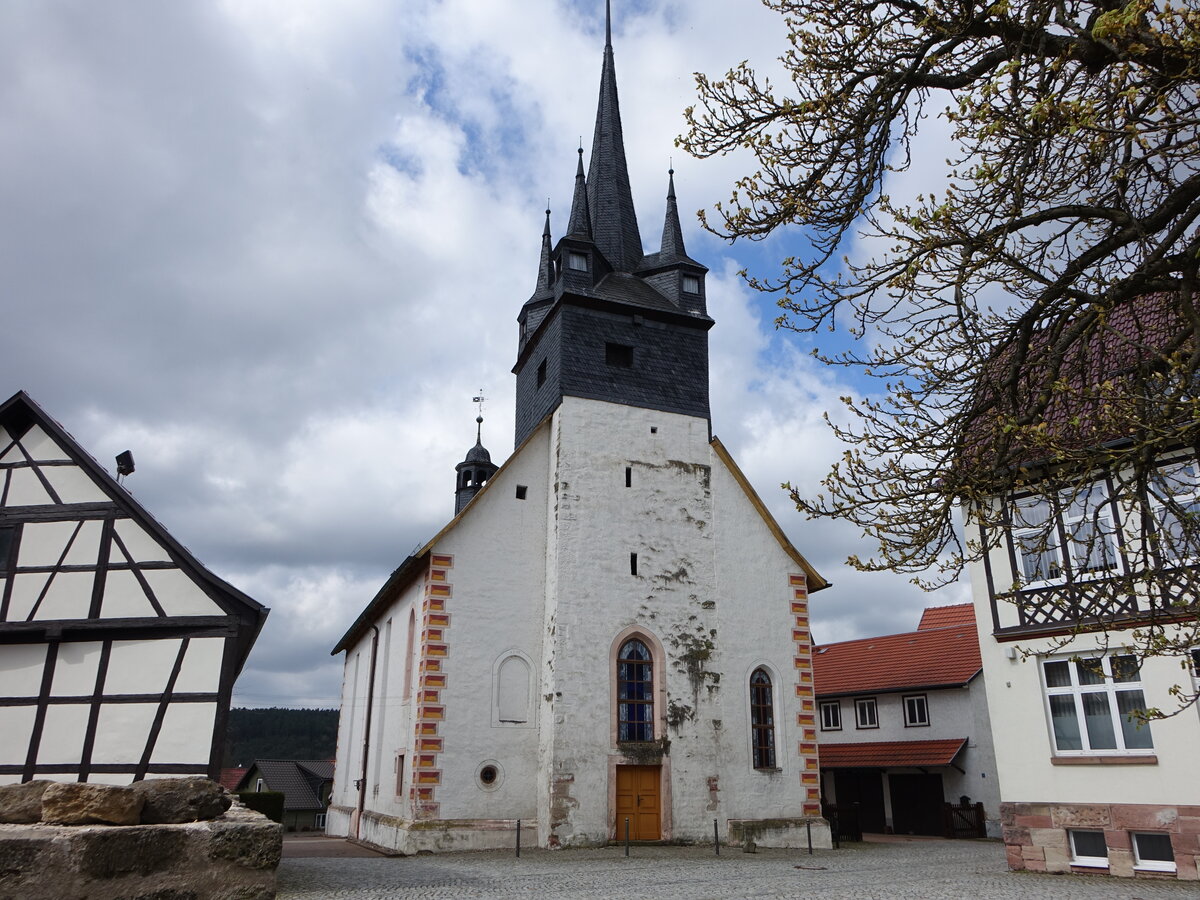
x,y
274,247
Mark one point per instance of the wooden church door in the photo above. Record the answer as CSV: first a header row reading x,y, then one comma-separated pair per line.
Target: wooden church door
x,y
638,801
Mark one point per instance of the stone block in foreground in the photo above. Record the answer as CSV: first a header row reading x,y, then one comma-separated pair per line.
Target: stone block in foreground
x,y
230,858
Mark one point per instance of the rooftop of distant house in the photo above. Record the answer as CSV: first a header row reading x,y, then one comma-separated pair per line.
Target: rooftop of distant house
x,y
942,652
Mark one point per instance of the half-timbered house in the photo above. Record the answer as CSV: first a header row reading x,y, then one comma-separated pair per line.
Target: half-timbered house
x,y
118,649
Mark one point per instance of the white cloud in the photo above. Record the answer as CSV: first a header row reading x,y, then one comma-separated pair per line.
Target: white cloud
x,y
274,248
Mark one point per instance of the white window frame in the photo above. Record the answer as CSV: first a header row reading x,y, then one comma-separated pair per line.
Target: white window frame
x,y
836,707
914,721
319,820
1151,865
861,705
1078,691
1064,517
1185,492
1094,862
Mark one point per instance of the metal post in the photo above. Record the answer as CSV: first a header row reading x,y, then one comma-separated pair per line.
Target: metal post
x,y
808,828
627,835
716,839
518,838
837,840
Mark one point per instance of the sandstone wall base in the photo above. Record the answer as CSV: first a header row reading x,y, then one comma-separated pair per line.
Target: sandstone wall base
x,y
1037,839
230,858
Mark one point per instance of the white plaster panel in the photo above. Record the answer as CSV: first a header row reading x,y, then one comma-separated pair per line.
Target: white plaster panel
x,y
118,778
16,724
141,546
41,447
69,597
24,489
25,591
21,667
75,669
73,485
141,667
63,734
43,543
121,732
124,597
201,670
179,595
11,454
186,734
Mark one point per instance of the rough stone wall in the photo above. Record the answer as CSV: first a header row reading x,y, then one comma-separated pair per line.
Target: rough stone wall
x,y
231,858
1036,838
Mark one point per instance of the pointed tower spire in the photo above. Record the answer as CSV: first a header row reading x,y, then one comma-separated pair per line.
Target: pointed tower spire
x,y
580,225
545,278
672,236
476,470
610,200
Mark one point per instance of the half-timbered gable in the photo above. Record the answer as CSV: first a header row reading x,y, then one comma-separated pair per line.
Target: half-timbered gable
x,y
118,648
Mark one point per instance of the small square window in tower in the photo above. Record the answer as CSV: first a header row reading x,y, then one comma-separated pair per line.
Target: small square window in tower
x,y
619,356
577,261
691,284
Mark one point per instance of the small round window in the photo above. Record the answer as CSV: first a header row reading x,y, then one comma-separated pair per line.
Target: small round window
x,y
489,775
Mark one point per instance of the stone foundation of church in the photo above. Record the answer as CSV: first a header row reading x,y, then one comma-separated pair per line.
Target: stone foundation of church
x,y
1036,836
406,837
784,834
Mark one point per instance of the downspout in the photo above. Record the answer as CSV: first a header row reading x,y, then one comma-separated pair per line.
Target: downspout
x,y
362,782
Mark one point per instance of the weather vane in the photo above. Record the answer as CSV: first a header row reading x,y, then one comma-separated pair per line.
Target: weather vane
x,y
478,400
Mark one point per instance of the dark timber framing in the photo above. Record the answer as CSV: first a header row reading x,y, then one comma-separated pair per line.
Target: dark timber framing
x,y
237,623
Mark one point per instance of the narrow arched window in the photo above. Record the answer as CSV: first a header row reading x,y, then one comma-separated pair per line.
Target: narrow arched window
x,y
635,692
762,720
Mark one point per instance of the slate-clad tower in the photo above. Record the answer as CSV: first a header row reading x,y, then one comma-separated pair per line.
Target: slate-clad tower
x,y
612,631
607,321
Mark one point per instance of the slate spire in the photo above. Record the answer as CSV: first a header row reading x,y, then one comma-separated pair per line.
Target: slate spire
x,y
580,225
672,236
545,277
610,200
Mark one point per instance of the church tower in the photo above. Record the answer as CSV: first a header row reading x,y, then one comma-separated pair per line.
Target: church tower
x,y
611,636
607,321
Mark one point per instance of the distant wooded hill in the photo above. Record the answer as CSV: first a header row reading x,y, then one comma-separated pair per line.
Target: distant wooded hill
x,y
280,734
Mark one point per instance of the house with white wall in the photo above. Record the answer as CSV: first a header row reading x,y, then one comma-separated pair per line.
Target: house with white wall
x,y
1080,575
118,649
904,730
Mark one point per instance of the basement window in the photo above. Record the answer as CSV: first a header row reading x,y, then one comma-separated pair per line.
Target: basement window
x,y
1153,852
619,355
521,489
1088,848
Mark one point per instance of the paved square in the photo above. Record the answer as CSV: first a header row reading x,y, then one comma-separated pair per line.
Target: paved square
x,y
929,870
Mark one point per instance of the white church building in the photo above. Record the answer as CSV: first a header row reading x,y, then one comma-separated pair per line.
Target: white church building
x,y
610,638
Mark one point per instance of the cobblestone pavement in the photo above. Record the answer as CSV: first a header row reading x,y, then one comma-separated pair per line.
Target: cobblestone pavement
x,y
930,870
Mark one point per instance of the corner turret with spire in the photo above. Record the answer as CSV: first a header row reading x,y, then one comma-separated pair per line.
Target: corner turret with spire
x,y
476,469
607,321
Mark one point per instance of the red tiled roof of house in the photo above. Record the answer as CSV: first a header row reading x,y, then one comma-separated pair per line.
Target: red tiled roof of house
x,y
231,777
947,616
930,657
890,754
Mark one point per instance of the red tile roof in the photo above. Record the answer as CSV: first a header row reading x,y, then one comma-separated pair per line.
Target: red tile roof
x,y
231,777
890,754
930,657
947,616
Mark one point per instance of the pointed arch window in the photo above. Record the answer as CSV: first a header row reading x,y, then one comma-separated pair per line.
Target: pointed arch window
x,y
635,692
762,720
